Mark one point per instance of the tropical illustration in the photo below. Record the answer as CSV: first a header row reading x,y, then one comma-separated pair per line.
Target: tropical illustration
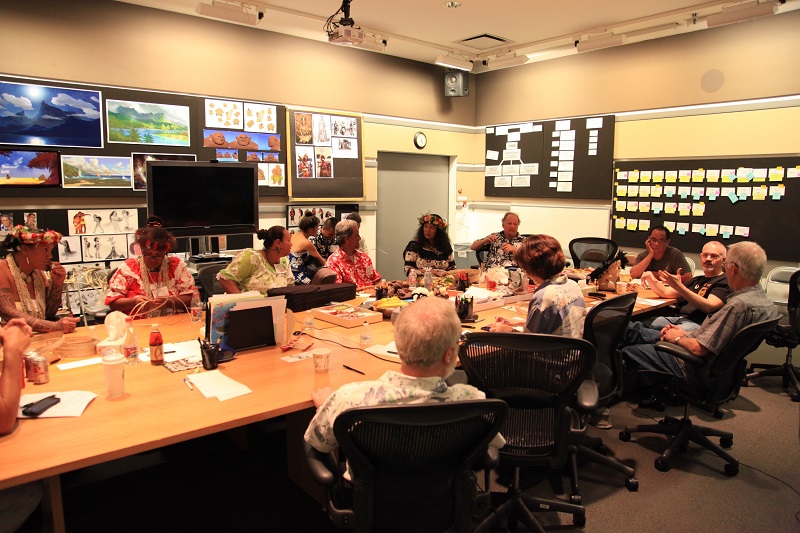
x,y
49,116
96,171
29,167
145,123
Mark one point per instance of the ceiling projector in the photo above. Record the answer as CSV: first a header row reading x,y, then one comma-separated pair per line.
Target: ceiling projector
x,y
346,35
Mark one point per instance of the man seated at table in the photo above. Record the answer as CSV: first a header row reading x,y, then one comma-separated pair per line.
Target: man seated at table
x,y
350,264
426,334
502,244
746,305
659,255
325,240
698,298
16,503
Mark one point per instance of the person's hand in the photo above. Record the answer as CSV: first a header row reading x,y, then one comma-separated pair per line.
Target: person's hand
x,y
648,280
67,324
16,335
438,272
491,237
649,247
501,327
57,273
673,280
670,332
320,395
508,248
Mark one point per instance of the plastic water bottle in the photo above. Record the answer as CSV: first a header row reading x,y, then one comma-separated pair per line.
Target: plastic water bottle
x,y
196,307
130,346
365,338
412,279
308,322
427,281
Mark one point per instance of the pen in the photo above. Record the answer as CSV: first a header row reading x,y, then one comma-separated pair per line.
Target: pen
x,y
188,383
466,326
170,351
390,351
354,370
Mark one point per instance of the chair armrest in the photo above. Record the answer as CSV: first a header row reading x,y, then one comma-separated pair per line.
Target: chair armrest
x,y
319,465
587,397
680,353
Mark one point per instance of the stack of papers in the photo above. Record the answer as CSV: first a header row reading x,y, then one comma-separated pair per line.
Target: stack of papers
x,y
215,384
72,403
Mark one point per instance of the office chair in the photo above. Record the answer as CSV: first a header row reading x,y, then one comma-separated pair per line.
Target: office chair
x,y
411,465
207,275
538,377
591,251
692,265
480,254
713,381
777,285
784,336
604,327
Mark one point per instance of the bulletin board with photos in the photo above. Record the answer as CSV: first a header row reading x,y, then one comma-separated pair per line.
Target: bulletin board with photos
x,y
294,212
563,158
326,152
729,200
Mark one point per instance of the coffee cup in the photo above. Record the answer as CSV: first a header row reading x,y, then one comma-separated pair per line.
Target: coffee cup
x,y
114,369
321,359
622,287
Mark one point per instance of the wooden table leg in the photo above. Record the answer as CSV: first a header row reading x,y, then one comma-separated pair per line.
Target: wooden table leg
x,y
53,505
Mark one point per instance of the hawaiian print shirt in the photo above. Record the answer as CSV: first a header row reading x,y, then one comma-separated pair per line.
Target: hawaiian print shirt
x,y
361,272
496,255
127,281
252,272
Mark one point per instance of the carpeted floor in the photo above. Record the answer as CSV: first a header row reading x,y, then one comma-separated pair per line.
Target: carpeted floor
x,y
209,485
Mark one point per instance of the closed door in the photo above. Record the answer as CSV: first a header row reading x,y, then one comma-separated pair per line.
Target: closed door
x,y
409,185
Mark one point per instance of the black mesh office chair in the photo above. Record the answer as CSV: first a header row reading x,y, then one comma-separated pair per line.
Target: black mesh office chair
x,y
207,275
591,251
480,254
784,336
713,381
538,377
411,465
604,327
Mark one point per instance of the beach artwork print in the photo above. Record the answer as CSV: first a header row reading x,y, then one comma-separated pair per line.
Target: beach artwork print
x,y
96,171
139,162
146,123
223,114
29,168
260,118
42,115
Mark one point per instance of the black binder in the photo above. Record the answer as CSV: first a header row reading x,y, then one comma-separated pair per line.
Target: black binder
x,y
250,328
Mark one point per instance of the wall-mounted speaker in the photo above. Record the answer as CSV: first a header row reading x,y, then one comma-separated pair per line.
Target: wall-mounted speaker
x,y
456,83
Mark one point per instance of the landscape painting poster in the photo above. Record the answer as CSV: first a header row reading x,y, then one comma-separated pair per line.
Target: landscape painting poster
x,y
29,168
96,171
42,115
146,123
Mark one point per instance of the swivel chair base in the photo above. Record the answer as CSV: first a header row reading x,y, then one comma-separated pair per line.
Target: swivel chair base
x,y
594,453
683,431
787,371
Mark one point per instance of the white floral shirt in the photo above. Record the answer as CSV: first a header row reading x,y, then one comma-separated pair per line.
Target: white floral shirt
x,y
391,388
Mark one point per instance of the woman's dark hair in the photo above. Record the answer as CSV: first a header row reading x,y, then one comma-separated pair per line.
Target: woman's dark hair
x,y
308,221
153,236
541,256
441,240
269,236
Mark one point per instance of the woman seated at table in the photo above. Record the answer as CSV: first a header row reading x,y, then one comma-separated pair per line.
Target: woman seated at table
x,y
153,284
260,270
430,247
304,259
25,291
557,306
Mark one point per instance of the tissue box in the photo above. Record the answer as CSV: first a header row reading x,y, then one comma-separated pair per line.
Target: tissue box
x,y
115,345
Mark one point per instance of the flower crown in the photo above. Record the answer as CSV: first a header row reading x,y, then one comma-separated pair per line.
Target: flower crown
x,y
436,220
28,235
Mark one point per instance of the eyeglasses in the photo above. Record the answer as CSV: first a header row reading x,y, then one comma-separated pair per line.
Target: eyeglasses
x,y
713,257
657,241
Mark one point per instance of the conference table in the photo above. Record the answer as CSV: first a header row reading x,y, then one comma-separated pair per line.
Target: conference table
x,y
158,409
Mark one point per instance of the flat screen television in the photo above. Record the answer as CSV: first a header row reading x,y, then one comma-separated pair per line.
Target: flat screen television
x,y
200,198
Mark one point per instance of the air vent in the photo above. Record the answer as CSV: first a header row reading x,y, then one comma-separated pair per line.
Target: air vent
x,y
484,41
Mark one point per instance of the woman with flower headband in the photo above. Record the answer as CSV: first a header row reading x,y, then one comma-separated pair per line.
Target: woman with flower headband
x,y
154,283
25,291
430,247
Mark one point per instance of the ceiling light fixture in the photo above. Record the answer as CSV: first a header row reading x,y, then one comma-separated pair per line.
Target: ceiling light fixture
x,y
505,61
249,14
741,13
450,61
598,42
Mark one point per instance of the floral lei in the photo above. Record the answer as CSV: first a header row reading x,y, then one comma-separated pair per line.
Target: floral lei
x,y
436,220
24,235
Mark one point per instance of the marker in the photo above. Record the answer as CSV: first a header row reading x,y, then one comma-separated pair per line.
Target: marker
x,y
354,370
188,383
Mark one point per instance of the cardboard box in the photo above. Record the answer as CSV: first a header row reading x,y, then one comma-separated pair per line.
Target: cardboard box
x,y
347,316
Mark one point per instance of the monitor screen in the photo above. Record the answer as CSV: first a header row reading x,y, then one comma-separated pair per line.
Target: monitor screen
x,y
197,198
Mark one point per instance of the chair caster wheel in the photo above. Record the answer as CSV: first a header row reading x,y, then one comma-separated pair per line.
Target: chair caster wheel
x,y
726,442
632,484
624,436
602,449
575,498
579,520
731,470
662,465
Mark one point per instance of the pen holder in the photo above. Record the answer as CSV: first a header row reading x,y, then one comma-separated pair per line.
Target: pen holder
x,y
380,292
210,356
464,309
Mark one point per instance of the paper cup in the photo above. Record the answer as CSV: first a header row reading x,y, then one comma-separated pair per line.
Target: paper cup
x,y
321,359
622,287
114,368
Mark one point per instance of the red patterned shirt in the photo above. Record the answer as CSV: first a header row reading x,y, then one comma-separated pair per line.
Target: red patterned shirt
x,y
127,281
361,272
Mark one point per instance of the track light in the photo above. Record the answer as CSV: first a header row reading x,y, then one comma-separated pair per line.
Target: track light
x,y
447,60
237,12
508,60
598,42
740,13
